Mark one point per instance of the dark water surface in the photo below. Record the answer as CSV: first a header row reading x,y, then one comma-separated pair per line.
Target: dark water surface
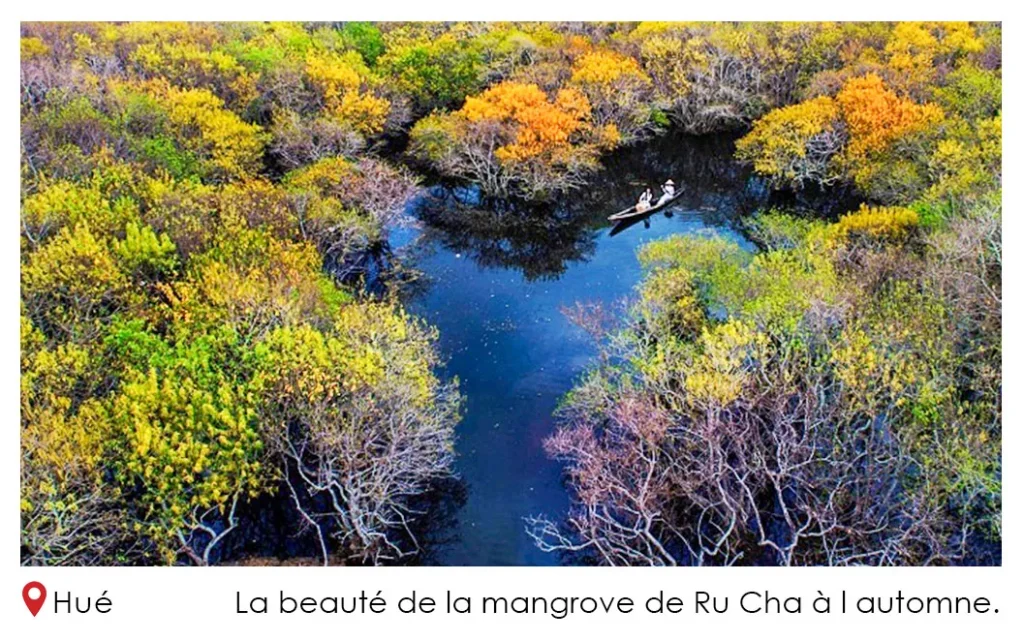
x,y
496,275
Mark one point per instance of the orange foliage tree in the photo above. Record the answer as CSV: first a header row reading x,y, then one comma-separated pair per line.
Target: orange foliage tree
x,y
862,133
540,126
513,139
876,117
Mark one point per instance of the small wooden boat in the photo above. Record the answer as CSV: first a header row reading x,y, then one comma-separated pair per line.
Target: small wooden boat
x,y
626,214
623,225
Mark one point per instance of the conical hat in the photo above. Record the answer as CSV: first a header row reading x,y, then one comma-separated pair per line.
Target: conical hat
x,y
669,182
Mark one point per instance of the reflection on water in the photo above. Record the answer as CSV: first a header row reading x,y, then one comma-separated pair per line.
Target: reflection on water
x,y
541,240
497,274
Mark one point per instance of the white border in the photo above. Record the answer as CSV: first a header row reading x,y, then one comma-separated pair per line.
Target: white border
x,y
177,603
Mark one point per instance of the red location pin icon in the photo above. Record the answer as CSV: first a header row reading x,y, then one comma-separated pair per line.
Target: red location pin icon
x,y
34,604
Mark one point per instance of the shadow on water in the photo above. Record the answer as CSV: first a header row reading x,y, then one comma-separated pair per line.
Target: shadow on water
x,y
541,240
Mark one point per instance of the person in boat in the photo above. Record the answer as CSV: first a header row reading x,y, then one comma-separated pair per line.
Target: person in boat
x,y
668,192
645,200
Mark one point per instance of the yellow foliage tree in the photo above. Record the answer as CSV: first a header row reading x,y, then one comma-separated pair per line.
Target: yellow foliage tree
x,y
228,147
916,49
883,223
618,91
782,144
71,283
343,83
191,444
190,65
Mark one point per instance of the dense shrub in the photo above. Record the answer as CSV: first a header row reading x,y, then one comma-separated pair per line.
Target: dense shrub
x,y
165,265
